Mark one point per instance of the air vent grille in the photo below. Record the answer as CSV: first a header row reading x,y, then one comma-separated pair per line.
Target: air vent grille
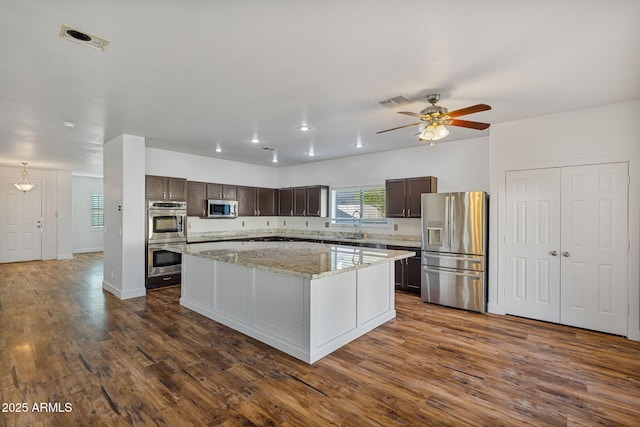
x,y
395,101
83,37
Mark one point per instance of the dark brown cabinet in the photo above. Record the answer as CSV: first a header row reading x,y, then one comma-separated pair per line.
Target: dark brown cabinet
x,y
196,198
311,201
285,202
166,188
299,201
318,201
221,191
246,201
403,195
408,271
267,202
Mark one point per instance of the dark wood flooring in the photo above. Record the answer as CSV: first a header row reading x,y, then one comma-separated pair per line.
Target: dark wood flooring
x,y
84,357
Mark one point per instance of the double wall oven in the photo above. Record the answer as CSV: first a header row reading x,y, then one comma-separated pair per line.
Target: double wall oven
x,y
166,223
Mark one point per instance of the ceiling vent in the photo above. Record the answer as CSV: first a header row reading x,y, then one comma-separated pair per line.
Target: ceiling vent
x,y
396,101
82,37
268,148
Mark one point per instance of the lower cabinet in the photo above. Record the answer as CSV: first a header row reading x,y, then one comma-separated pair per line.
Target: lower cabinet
x,y
408,271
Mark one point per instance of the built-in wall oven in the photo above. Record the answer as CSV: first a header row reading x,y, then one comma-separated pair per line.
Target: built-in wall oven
x,y
166,223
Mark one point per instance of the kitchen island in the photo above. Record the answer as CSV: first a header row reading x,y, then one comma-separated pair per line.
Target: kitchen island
x,y
305,299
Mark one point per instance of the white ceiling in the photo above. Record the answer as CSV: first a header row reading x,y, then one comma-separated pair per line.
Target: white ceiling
x,y
190,74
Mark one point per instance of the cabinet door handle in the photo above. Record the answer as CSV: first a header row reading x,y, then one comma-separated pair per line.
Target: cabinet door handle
x,y
169,195
409,212
164,195
553,253
566,254
318,212
304,212
403,212
204,212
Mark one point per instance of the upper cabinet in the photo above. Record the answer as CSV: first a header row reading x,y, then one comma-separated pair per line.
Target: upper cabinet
x,y
403,195
246,201
267,202
222,192
285,202
311,201
196,195
318,201
166,188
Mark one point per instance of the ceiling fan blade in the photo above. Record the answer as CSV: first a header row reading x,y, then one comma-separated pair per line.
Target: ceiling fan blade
x,y
469,124
400,127
409,113
469,110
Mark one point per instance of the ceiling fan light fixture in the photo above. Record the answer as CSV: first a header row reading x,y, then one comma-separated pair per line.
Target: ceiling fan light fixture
x,y
433,132
24,184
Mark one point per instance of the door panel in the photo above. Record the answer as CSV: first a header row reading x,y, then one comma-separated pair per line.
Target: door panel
x,y
594,247
532,236
20,222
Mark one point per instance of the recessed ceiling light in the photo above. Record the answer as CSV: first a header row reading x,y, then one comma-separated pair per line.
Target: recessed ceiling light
x,y
304,128
218,149
69,125
255,140
275,157
359,143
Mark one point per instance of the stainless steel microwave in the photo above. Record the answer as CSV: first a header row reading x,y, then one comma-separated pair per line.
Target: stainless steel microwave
x,y
222,208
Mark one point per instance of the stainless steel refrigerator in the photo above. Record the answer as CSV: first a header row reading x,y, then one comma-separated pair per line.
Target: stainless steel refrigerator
x,y
454,248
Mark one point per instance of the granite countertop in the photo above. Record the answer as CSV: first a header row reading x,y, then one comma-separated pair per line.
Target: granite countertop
x,y
301,259
347,238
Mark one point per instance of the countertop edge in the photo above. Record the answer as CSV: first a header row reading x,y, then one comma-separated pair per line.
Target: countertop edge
x,y
184,249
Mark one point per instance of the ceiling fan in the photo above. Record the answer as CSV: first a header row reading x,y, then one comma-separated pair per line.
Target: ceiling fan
x,y
435,117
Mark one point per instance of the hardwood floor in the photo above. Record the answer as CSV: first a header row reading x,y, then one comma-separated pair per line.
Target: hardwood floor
x,y
149,361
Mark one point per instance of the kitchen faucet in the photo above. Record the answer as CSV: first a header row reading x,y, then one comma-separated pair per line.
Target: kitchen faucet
x,y
357,225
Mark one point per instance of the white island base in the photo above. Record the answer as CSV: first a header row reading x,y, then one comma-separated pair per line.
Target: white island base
x,y
305,318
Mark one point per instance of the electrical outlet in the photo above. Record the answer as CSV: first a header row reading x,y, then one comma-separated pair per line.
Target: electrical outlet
x,y
285,223
326,225
306,223
267,223
243,223
395,227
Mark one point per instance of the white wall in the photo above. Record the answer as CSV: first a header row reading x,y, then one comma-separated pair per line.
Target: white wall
x,y
64,215
85,237
208,169
458,165
607,133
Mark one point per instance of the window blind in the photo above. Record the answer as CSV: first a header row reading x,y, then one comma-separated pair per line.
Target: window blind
x,y
97,210
369,202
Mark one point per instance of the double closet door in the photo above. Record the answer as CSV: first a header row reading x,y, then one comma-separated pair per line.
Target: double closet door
x,y
567,245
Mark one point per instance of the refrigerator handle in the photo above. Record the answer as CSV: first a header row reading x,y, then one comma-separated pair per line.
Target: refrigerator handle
x,y
449,223
454,272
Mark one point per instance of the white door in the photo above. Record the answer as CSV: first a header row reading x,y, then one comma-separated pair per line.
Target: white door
x,y
594,247
533,244
20,222
567,245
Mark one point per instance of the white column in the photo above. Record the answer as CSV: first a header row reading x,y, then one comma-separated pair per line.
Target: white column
x,y
124,216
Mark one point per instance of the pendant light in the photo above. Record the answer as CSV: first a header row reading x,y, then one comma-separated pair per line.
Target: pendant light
x,y
24,185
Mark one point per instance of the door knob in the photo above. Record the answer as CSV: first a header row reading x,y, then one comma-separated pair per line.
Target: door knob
x,y
553,253
565,254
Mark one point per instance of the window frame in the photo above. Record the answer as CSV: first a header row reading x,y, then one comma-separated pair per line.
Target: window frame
x,y
96,210
381,222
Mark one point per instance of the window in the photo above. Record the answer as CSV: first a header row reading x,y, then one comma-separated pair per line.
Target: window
x,y
97,210
368,201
